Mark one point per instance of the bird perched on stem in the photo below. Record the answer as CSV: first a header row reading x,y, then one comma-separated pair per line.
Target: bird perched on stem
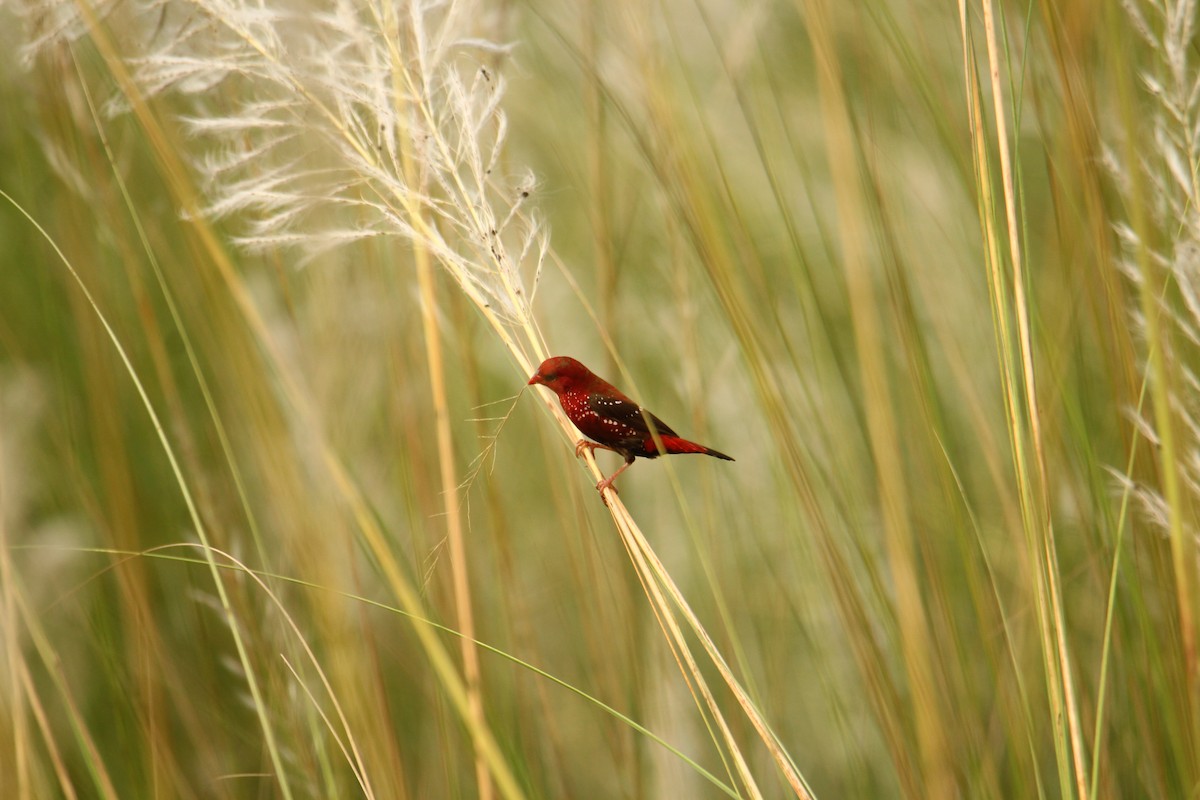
x,y
610,419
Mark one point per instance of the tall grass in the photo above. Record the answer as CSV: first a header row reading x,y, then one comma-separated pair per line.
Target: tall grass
x,y
277,519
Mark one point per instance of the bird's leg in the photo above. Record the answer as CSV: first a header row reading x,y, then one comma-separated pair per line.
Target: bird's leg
x,y
591,447
607,483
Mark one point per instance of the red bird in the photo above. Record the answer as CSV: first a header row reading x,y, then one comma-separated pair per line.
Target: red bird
x,y
609,418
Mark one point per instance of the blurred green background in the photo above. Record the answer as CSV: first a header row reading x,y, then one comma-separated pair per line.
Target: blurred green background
x,y
955,556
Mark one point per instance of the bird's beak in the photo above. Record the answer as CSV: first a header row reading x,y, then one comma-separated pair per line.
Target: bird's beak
x,y
536,379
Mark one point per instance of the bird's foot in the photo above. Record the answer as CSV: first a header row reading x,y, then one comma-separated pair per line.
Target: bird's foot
x,y
591,447
605,484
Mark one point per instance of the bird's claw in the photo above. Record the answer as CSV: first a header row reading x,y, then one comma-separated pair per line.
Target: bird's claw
x,y
591,447
601,486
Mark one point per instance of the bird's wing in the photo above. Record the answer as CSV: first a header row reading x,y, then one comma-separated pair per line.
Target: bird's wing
x,y
628,413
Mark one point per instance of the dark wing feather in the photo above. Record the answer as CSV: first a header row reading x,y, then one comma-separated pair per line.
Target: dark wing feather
x,y
627,413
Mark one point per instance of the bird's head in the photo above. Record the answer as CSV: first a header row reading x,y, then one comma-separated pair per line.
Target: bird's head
x,y
560,374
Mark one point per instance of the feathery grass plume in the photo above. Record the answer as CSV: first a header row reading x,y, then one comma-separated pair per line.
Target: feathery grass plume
x,y
360,121
1154,167
1161,256
49,22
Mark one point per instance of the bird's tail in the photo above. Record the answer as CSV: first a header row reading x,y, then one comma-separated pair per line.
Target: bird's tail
x,y
673,444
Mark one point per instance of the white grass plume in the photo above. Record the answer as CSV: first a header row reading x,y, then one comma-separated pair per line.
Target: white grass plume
x,y
1171,199
328,124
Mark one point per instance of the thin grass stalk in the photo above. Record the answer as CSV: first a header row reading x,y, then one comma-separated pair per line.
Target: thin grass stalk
x,y
460,578
719,598
1106,651
642,559
101,782
1010,638
443,665
1001,319
1014,367
677,173
18,721
47,729
685,662
653,567
915,640
652,573
654,578
117,507
264,579
450,505
201,532
345,738
689,348
185,338
1049,558
1024,726
599,169
678,170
